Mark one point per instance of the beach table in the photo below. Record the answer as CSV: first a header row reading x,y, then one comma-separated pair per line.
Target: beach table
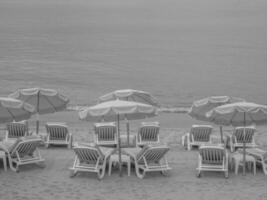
x,y
237,160
114,159
260,156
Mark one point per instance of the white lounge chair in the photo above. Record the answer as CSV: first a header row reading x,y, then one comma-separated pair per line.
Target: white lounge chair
x,y
24,151
148,134
212,158
198,135
150,159
89,159
106,134
58,134
238,137
15,130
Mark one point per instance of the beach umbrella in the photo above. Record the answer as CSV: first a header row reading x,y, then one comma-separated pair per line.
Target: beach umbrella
x,y
117,110
130,95
14,110
200,107
44,100
239,114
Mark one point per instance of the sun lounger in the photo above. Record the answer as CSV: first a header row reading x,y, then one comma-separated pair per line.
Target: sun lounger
x,y
148,134
198,135
150,159
106,134
212,158
15,130
24,151
58,134
238,137
90,158
261,157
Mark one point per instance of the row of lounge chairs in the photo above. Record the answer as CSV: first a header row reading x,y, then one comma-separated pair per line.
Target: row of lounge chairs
x,y
201,135
57,133
92,158
214,157
24,149
105,133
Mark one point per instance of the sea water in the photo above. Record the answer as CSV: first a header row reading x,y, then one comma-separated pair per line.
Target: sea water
x,y
178,50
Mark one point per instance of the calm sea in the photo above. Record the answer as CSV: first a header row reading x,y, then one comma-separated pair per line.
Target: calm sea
x,y
179,50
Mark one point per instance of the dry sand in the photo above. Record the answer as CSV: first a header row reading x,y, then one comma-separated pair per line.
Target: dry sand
x,y
53,182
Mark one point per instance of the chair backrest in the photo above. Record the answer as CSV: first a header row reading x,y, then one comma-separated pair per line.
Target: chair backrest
x,y
57,131
89,154
17,129
201,133
213,155
25,146
152,153
149,132
240,137
105,132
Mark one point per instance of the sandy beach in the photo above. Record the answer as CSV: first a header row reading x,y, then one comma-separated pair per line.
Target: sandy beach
x,y
53,182
179,51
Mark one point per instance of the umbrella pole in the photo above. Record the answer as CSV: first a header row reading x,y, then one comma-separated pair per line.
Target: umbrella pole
x,y
119,144
37,112
128,132
221,132
37,123
244,146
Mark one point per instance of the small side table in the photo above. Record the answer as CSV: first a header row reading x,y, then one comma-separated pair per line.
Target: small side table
x,y
115,159
237,158
3,157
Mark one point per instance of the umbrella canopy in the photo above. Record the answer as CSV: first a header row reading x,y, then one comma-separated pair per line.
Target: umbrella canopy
x,y
109,111
239,114
14,110
130,95
115,111
44,100
200,107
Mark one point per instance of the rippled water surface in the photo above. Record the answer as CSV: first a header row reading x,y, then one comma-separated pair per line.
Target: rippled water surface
x,y
179,50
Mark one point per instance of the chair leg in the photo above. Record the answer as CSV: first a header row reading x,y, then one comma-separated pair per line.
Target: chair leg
x,y
101,173
183,142
140,174
236,166
198,173
70,142
165,173
5,163
129,167
73,173
15,169
254,166
109,167
232,149
226,174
